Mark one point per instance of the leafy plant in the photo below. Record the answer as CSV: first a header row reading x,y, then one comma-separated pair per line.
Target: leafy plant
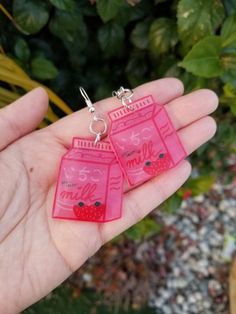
x,y
61,44
12,74
107,43
145,228
64,300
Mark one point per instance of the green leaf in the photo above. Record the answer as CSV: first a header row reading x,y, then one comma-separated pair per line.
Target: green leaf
x,y
172,204
108,9
204,58
70,27
43,69
199,185
229,65
111,38
128,13
86,8
230,97
66,5
229,62
65,299
233,106
143,229
228,31
162,36
136,68
229,90
197,19
139,35
31,15
192,82
229,75
22,50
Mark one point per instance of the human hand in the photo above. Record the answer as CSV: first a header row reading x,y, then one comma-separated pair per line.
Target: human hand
x,y
37,252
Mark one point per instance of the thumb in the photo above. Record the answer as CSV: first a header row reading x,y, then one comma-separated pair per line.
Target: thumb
x,y
22,116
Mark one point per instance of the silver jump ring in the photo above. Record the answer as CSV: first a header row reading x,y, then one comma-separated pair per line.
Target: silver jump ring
x,y
97,133
123,101
124,94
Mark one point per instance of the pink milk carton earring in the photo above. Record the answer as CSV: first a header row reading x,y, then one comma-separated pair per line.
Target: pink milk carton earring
x,y
143,137
90,181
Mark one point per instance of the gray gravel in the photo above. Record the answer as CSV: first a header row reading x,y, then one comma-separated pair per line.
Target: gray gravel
x,y
182,269
195,254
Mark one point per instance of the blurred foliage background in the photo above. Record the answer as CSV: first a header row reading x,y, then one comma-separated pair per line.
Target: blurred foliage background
x,y
103,44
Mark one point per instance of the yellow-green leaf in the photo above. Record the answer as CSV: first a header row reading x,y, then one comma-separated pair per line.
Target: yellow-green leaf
x,y
197,19
204,58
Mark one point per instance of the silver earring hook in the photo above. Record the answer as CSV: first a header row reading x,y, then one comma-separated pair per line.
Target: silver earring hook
x,y
124,94
95,119
87,99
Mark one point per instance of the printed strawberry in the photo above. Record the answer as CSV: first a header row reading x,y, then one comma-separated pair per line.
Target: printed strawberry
x,y
81,211
91,212
98,210
158,166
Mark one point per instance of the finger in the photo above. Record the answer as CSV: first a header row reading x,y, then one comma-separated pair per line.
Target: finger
x,y
197,134
163,91
22,116
136,203
188,108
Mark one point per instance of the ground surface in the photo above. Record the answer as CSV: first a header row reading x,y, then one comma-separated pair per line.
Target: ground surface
x,y
181,270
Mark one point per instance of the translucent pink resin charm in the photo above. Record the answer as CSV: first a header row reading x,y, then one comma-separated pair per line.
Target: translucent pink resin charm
x,y
90,183
144,140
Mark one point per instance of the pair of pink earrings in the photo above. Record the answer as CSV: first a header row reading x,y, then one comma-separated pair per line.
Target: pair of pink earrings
x,y
142,144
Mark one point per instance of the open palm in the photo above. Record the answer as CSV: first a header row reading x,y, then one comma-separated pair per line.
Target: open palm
x,y
37,252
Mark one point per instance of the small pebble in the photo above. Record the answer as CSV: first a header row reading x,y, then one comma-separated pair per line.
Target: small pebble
x,y
180,299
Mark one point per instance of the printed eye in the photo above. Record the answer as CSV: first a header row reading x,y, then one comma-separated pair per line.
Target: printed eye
x,y
161,155
81,204
148,163
97,204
